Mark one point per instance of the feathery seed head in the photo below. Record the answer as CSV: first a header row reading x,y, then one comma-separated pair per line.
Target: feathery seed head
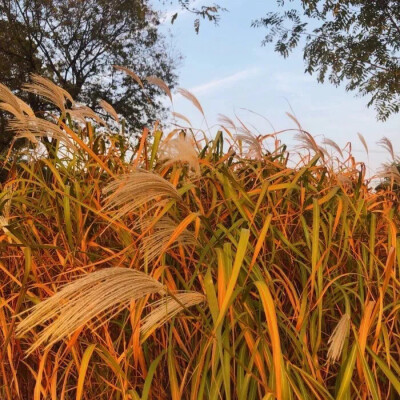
x,y
155,244
50,91
192,98
79,302
81,112
107,107
166,308
338,337
387,145
180,149
182,117
334,145
130,73
308,142
130,191
12,104
254,148
33,128
390,172
154,80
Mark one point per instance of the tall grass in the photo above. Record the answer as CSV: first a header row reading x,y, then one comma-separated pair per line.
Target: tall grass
x,y
208,269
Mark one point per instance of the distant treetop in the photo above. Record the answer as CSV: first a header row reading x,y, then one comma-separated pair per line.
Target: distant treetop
x,y
356,42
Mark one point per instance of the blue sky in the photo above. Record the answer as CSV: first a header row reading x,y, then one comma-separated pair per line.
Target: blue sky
x,y
226,67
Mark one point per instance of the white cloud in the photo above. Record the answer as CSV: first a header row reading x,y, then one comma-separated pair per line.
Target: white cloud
x,y
292,82
226,81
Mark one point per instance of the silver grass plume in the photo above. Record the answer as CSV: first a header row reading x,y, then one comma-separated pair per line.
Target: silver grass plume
x,y
192,98
107,107
33,128
388,146
338,337
226,122
130,73
130,191
155,244
334,145
182,117
48,90
79,302
12,104
180,149
390,172
308,142
166,308
81,113
154,80
254,148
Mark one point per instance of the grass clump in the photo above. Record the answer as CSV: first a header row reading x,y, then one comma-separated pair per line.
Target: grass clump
x,y
193,269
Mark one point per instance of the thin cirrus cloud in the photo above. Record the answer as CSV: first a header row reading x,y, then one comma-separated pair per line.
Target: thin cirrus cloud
x,y
226,81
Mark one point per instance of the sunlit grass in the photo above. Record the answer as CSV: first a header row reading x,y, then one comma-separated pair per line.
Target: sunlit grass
x,y
255,279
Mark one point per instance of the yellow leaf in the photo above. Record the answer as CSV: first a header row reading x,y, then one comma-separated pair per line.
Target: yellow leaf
x,y
82,370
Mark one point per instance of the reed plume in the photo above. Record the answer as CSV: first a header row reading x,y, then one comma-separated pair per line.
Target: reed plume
x,y
182,117
334,145
157,242
130,191
130,73
48,90
192,98
168,307
390,172
225,121
12,104
254,148
33,128
338,337
79,302
81,113
308,142
387,145
180,149
154,80
363,141
107,107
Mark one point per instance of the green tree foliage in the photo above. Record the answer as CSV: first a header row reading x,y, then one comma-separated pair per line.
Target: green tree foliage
x,y
356,42
75,43
207,12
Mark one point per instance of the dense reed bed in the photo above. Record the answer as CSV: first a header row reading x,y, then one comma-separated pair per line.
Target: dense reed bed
x,y
192,268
